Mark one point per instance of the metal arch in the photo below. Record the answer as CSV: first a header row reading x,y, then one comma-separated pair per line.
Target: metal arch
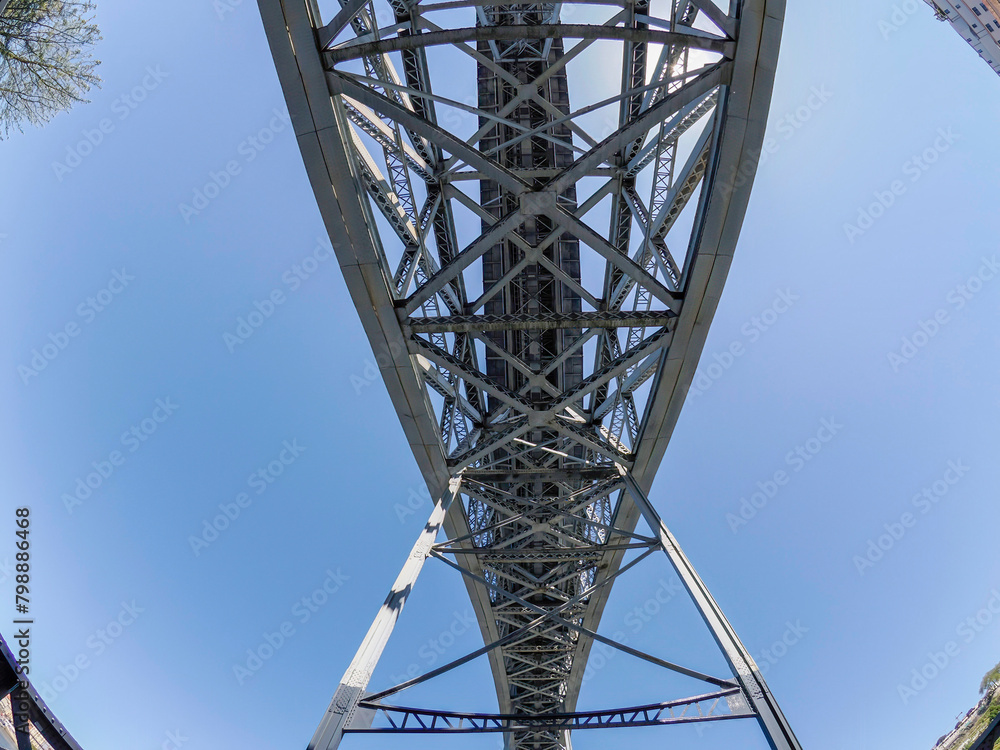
x,y
533,396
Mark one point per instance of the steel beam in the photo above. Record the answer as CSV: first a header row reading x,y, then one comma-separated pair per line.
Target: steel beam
x,y
352,686
718,706
548,379
776,728
520,322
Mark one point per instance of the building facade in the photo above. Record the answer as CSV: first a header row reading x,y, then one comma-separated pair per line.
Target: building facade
x,y
977,22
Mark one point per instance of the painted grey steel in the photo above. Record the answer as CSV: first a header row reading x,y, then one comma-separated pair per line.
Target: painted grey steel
x,y
345,701
772,720
708,707
537,283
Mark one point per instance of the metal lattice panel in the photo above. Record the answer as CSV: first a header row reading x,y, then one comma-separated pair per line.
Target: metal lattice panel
x,y
530,205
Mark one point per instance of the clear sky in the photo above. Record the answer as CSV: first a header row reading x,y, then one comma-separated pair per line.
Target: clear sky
x,y
185,89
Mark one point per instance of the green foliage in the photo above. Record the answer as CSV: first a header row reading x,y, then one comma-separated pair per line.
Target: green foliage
x,y
991,712
990,679
982,722
45,60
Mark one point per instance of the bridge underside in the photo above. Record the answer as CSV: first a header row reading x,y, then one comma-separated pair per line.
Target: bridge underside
x,y
534,206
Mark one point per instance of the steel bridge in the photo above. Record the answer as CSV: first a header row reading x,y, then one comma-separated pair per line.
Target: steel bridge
x,y
535,207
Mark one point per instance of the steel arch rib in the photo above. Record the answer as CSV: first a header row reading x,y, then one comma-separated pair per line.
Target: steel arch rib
x,y
530,419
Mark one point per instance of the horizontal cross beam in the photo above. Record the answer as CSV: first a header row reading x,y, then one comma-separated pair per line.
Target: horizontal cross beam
x,y
724,704
517,322
505,476
520,32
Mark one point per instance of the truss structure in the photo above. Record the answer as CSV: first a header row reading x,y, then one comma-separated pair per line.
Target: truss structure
x,y
536,274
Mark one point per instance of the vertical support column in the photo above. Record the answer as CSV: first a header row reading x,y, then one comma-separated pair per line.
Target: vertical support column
x,y
352,686
773,723
21,725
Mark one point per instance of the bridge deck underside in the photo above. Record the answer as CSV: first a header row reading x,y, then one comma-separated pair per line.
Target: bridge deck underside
x,y
536,336
536,666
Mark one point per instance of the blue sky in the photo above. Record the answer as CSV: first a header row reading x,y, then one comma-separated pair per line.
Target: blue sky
x,y
859,112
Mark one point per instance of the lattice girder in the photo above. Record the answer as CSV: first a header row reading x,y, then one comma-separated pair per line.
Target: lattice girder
x,y
538,320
